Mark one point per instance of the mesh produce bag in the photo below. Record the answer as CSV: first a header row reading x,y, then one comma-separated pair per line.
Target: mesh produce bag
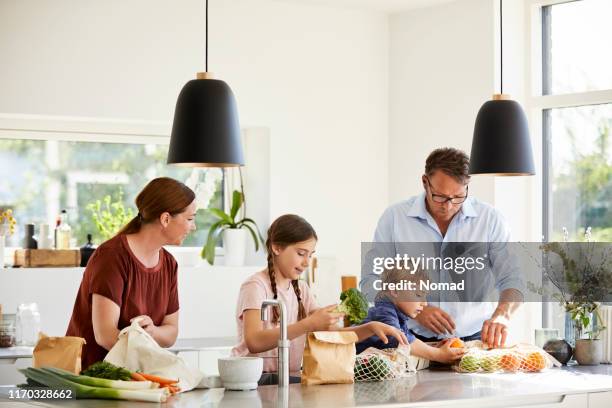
x,y
519,358
376,365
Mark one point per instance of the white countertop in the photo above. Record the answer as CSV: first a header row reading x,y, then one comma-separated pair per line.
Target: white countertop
x,y
425,388
206,343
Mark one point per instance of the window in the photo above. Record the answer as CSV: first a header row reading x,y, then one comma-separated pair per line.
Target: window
x,y
42,177
576,111
576,46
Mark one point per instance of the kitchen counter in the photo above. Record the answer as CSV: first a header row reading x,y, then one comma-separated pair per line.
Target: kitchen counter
x,y
578,386
206,343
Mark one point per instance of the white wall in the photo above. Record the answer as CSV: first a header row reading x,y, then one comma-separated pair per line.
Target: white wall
x,y
315,76
441,71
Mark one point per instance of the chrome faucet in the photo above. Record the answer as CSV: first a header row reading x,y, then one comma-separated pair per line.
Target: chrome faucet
x,y
283,341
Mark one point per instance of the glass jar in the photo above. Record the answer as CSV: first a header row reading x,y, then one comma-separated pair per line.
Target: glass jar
x,y
7,333
28,324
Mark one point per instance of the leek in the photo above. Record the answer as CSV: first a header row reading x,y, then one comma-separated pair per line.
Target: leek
x,y
102,382
81,391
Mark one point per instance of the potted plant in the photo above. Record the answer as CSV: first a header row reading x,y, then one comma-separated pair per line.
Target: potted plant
x,y
582,277
588,351
233,232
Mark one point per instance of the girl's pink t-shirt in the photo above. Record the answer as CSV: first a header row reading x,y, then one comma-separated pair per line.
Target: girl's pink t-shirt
x,y
253,292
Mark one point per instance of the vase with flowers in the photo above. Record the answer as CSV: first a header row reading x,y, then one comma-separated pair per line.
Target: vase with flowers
x,y
582,277
7,227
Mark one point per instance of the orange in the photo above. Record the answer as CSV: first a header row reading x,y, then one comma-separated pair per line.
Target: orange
x,y
457,343
533,362
509,362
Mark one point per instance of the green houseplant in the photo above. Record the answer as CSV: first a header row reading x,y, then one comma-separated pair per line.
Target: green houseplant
x,y
582,277
110,216
229,222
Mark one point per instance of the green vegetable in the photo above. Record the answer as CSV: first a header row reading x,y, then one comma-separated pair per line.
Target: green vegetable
x,y
373,368
103,382
49,378
103,369
354,305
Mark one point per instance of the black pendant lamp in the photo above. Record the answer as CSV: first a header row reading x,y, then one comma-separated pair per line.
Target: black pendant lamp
x,y
206,131
501,145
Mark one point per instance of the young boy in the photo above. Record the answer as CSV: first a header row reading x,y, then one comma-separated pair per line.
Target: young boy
x,y
395,307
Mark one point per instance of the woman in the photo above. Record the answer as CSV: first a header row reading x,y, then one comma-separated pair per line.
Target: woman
x,y
290,245
131,275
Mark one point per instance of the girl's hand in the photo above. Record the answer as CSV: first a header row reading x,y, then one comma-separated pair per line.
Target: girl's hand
x,y
447,354
324,318
383,331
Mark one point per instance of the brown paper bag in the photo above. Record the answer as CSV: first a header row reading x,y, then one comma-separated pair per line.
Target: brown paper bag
x,y
329,358
60,352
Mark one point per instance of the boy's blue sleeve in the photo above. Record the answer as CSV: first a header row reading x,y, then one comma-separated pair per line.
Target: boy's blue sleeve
x,y
381,315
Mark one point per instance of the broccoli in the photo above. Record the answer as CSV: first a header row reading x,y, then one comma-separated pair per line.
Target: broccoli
x,y
354,305
104,369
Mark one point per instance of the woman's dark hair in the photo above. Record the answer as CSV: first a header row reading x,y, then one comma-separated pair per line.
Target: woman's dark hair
x,y
453,162
161,195
287,230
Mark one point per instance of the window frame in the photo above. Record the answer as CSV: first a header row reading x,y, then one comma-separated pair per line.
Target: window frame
x,y
101,130
537,103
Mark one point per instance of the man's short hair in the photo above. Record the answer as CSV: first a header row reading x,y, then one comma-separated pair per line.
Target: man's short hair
x,y
451,161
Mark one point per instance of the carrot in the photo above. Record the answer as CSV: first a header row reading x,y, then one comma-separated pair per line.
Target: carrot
x,y
137,377
159,380
172,388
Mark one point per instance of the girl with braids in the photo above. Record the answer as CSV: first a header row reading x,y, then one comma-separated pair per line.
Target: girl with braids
x,y
131,275
290,245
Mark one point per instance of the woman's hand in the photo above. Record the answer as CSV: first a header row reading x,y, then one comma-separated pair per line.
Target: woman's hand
x,y
447,354
324,319
146,323
384,331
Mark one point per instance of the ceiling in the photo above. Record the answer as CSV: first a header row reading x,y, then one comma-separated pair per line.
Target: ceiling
x,y
387,6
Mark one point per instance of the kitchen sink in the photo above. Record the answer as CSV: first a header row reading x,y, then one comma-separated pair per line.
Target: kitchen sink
x,y
272,379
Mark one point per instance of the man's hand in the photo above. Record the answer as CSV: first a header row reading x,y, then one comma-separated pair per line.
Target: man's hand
x,y
436,320
495,330
146,323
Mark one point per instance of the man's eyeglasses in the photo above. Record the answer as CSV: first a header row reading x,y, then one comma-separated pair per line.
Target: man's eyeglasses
x,y
442,199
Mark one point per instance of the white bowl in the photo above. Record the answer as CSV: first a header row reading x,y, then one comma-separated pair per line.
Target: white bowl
x,y
240,373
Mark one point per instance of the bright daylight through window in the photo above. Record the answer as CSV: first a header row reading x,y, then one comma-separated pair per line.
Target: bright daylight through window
x,y
577,64
49,176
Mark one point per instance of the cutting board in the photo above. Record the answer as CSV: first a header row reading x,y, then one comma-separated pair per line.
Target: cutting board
x,y
32,258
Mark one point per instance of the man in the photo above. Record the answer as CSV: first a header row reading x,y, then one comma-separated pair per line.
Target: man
x,y
442,214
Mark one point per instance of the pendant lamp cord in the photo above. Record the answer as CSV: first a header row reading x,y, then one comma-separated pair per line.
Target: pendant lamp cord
x,y
501,47
206,47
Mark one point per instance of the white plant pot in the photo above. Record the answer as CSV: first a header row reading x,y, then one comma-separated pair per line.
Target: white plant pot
x,y
234,246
